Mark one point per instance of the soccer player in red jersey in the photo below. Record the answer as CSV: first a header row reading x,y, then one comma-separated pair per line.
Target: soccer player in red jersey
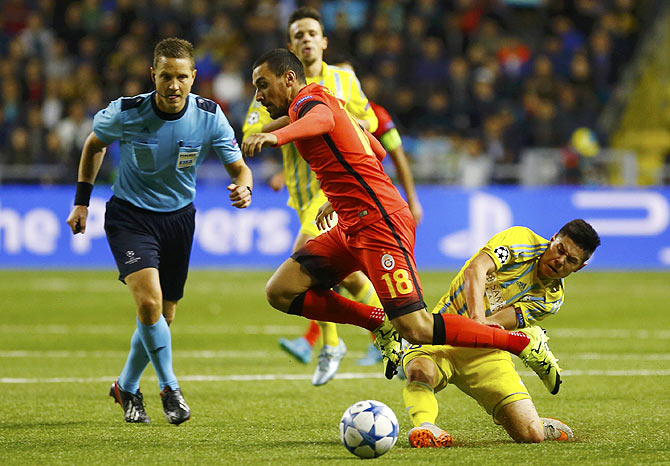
x,y
375,232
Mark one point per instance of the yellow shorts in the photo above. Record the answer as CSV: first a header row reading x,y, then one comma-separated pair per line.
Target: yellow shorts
x,y
487,375
308,214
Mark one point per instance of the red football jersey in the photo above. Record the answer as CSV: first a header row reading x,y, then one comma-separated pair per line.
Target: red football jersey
x,y
345,158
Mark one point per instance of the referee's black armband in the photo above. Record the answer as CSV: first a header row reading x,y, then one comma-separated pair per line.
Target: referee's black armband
x,y
83,195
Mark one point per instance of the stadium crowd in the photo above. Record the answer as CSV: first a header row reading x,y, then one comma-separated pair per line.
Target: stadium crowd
x,y
484,77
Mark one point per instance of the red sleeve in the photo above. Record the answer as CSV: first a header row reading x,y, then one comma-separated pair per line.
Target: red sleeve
x,y
377,147
385,121
318,120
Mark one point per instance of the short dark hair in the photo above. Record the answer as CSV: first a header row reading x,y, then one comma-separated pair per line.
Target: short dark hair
x,y
173,47
280,61
304,12
583,235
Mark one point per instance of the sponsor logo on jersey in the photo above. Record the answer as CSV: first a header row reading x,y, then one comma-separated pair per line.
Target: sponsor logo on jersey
x,y
388,262
494,293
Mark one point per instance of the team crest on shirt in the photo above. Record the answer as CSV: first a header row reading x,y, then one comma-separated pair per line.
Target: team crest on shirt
x,y
502,253
388,262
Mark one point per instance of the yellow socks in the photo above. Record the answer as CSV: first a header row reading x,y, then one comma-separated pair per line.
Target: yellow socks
x,y
367,295
420,402
329,332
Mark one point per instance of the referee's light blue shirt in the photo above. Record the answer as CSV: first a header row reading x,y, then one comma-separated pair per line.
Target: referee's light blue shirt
x,y
160,152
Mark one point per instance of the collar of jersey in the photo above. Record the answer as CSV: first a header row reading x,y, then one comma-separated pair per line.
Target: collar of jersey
x,y
164,115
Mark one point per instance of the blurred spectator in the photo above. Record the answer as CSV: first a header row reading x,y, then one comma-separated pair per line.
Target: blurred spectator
x,y
450,69
36,38
59,63
484,99
14,16
19,150
436,117
542,79
52,107
513,55
476,166
12,101
544,130
458,86
37,133
73,29
430,68
73,130
600,60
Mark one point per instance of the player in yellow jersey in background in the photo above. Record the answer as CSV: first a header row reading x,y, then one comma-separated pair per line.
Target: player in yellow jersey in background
x,y
307,41
504,284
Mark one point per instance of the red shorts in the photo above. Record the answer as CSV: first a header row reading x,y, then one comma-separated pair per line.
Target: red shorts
x,y
384,251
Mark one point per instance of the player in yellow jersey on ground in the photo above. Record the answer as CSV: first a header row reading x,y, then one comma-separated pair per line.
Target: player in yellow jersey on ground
x,y
307,42
503,284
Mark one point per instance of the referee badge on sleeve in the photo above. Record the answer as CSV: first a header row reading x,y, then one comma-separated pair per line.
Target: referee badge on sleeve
x,y
502,253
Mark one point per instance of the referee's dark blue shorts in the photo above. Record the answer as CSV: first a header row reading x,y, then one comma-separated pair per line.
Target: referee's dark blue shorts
x,y
141,238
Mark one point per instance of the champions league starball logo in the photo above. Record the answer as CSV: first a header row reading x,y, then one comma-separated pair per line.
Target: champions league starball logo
x,y
388,262
502,253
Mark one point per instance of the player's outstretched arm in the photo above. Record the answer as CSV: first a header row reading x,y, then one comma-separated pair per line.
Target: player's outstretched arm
x,y
276,124
242,183
255,142
92,155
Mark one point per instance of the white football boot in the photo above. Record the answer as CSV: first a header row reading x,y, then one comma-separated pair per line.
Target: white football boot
x,y
556,430
329,362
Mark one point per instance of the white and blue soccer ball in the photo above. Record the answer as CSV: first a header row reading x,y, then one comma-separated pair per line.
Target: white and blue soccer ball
x,y
369,429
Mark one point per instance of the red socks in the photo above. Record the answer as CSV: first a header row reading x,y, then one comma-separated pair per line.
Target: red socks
x,y
457,330
328,306
313,332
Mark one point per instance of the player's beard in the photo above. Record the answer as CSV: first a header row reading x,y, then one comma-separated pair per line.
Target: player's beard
x,y
277,111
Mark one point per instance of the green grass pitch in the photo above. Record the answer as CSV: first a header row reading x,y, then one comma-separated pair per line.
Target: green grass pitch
x,y
64,337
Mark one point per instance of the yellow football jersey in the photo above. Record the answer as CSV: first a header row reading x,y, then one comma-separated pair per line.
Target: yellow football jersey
x,y
301,182
515,252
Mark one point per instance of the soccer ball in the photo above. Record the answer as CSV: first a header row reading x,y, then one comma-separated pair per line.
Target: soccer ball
x,y
369,429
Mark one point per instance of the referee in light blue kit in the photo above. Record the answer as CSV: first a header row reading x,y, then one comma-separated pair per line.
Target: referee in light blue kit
x,y
150,219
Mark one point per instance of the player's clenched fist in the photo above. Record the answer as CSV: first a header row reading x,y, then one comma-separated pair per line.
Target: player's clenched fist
x,y
255,142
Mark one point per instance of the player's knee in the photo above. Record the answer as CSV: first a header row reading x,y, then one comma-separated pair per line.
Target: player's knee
x,y
149,309
150,304
275,296
420,370
272,295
